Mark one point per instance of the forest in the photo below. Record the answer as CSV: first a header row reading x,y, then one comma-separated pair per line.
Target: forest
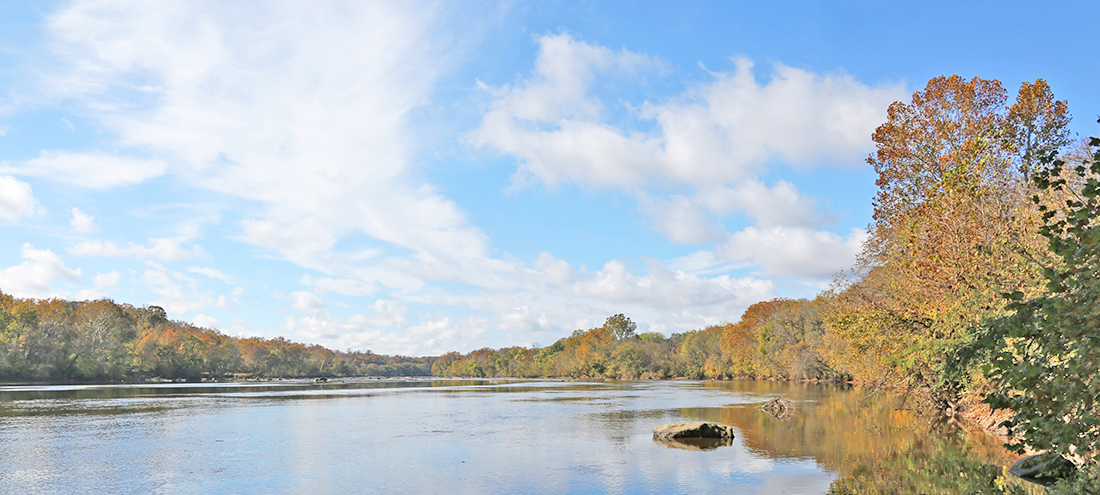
x,y
978,286
57,340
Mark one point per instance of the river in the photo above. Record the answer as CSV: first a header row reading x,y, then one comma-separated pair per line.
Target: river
x,y
477,437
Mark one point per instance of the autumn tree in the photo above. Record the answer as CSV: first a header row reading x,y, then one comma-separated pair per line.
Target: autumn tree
x,y
953,228
620,326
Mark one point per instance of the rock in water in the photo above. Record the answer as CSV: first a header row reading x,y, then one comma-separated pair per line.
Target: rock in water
x,y
694,436
693,430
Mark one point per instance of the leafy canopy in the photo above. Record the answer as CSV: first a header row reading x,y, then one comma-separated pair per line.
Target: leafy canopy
x,y
1047,364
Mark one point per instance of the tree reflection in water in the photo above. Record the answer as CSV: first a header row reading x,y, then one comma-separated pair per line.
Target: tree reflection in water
x,y
877,445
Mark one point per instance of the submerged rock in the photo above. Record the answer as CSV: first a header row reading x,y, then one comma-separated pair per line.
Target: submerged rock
x,y
1044,467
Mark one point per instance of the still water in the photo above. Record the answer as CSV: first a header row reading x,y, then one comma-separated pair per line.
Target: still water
x,y
450,436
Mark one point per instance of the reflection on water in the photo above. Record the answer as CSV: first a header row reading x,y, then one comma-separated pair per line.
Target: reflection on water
x,y
397,436
694,443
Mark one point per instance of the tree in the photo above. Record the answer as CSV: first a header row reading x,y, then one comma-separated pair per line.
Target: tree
x,y
1047,365
620,326
953,227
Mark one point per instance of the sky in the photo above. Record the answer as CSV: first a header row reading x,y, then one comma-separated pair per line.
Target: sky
x,y
421,177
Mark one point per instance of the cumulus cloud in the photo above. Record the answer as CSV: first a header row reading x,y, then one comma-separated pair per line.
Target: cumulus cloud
x,y
431,336
35,275
159,249
714,140
100,282
388,313
720,132
16,200
556,271
204,321
793,252
682,220
779,205
307,302
663,287
82,222
105,280
179,294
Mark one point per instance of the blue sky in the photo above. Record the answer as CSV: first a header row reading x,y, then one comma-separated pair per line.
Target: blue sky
x,y
419,177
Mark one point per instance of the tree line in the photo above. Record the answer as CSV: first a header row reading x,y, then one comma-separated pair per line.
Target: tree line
x,y
58,340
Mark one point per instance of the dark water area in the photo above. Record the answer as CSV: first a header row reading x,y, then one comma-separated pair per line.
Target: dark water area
x,y
484,436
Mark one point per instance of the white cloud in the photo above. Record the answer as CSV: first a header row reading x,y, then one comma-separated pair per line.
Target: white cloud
x,y
388,314
563,72
307,302
90,170
793,252
203,321
100,282
557,272
431,336
524,318
105,280
665,288
230,303
34,276
210,272
681,220
179,294
16,200
714,139
159,249
716,133
344,286
779,205
82,222
303,108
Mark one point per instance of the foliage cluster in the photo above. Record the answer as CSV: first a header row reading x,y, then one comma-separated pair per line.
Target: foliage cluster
x,y
58,340
1046,363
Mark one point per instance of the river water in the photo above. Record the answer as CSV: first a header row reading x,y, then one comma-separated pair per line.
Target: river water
x,y
478,437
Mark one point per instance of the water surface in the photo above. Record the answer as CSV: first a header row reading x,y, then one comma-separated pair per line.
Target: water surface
x,y
452,436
